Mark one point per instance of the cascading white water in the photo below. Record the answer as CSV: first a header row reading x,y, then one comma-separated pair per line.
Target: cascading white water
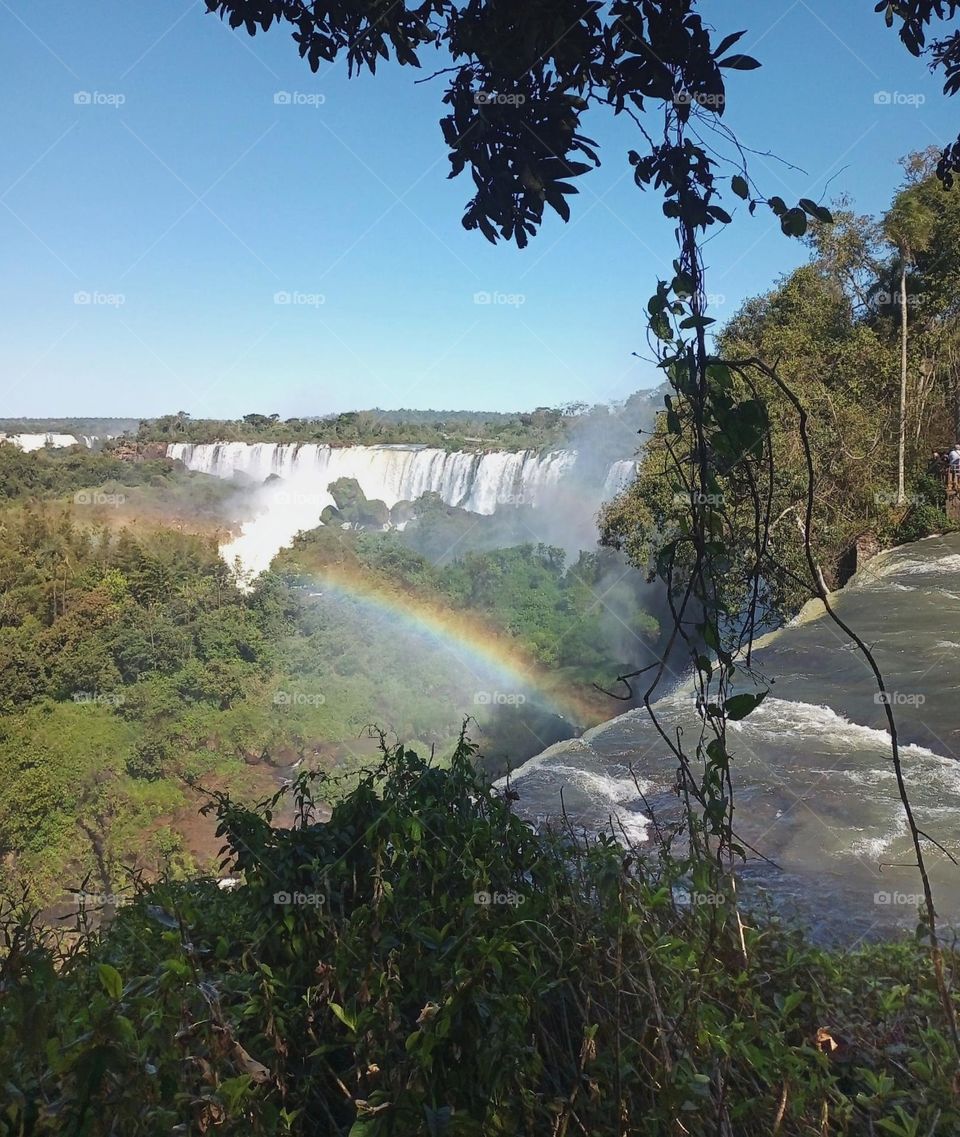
x,y
30,442
477,482
619,476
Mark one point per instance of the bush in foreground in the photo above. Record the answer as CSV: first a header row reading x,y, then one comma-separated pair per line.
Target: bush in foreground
x,y
425,964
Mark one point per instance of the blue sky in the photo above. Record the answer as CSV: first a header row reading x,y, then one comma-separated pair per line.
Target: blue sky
x,y
182,198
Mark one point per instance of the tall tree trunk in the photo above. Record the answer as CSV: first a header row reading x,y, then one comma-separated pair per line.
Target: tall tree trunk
x,y
902,447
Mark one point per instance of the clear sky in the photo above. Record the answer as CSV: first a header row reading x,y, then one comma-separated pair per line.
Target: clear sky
x,y
182,197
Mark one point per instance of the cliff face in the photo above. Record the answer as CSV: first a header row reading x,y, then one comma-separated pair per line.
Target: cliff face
x,y
139,451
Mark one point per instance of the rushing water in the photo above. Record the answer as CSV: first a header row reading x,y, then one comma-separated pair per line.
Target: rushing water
x,y
815,790
30,442
479,482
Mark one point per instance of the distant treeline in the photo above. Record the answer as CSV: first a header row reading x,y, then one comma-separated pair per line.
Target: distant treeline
x,y
99,427
608,431
454,430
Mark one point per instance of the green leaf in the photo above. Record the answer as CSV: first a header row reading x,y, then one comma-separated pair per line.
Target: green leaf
x,y
364,1126
110,980
660,326
739,186
794,223
739,706
740,62
720,374
348,1021
792,1001
727,42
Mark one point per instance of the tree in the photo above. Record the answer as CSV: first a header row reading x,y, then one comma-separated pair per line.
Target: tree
x,y
908,227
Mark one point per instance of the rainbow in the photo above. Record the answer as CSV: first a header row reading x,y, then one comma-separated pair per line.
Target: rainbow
x,y
467,638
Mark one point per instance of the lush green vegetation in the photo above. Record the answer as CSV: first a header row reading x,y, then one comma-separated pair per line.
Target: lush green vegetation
x,y
357,980
834,324
541,429
425,964
553,610
132,668
91,427
450,430
150,488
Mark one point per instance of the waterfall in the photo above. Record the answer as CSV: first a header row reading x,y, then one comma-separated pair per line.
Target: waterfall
x,y
619,476
477,482
30,442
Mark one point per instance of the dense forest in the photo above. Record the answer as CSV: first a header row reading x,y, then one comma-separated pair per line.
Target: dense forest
x,y
133,667
102,427
835,325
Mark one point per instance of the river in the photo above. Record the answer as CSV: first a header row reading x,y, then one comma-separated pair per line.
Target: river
x,y
815,790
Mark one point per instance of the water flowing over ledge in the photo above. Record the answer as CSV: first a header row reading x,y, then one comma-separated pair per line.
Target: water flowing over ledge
x,y
814,785
478,482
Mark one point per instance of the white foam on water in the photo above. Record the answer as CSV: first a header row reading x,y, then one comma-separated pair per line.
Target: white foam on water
x,y
615,790
609,794
635,827
948,563
872,779
777,717
532,765
873,848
